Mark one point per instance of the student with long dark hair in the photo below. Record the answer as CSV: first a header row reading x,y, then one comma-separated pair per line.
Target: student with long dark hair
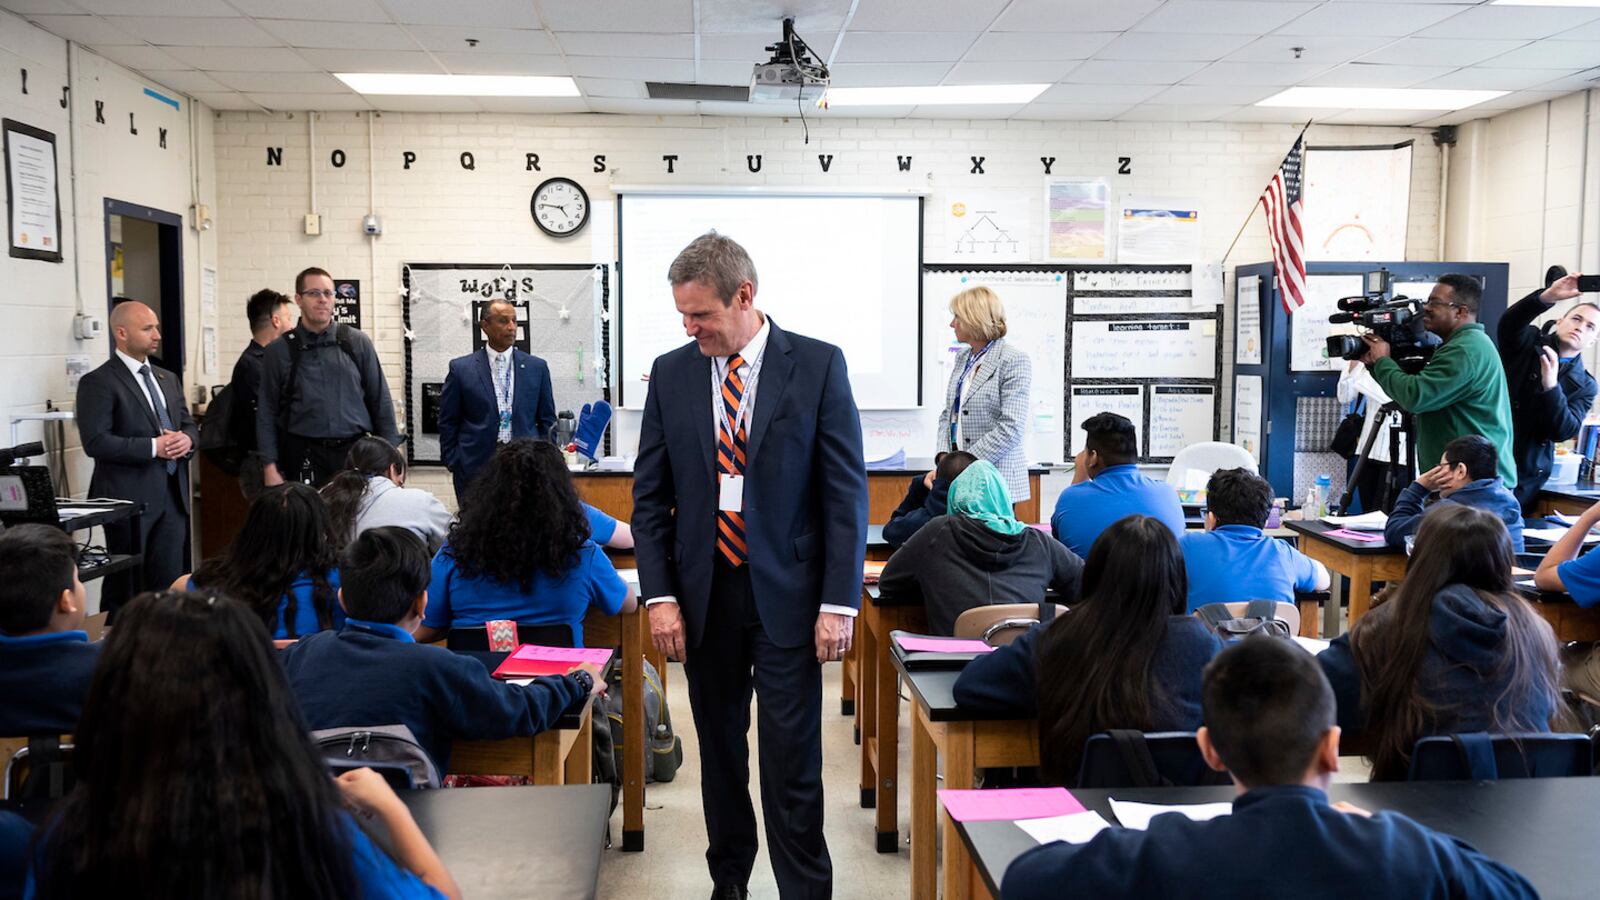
x,y
1455,649
1125,656
195,777
283,563
370,493
521,551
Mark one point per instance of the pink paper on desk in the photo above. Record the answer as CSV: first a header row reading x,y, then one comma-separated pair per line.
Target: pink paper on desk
x,y
1349,535
574,655
912,644
1009,803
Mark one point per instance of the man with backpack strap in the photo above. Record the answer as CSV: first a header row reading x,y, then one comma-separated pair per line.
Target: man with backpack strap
x,y
271,316
321,388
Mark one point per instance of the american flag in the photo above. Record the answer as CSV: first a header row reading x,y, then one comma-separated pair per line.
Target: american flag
x,y
1281,201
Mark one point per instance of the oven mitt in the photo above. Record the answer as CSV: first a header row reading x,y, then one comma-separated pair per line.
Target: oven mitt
x,y
592,424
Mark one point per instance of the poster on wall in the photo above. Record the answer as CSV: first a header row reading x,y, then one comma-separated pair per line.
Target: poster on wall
x,y
1247,321
986,227
33,202
347,302
1309,326
1247,414
1180,415
1076,212
1158,230
1357,202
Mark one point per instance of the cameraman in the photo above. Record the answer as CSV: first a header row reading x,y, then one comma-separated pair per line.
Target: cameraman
x,y
1462,389
1550,390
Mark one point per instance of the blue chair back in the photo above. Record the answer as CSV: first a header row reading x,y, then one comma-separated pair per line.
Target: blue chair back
x,y
1490,757
1120,758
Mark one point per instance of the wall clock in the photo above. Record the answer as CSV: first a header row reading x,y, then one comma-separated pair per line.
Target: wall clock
x,y
560,207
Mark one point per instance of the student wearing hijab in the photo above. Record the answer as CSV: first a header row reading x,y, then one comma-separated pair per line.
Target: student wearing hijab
x,y
978,554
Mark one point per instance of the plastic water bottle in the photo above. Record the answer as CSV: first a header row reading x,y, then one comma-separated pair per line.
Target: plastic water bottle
x,y
1275,517
1324,485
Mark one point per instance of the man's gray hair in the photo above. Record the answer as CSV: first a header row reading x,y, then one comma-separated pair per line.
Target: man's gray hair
x,y
715,261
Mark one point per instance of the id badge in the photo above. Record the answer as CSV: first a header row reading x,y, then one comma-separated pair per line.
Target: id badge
x,y
731,494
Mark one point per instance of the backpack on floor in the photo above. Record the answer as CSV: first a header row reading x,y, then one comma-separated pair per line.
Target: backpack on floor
x,y
663,748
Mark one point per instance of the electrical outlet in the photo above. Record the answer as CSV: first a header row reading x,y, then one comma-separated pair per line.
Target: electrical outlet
x,y
313,224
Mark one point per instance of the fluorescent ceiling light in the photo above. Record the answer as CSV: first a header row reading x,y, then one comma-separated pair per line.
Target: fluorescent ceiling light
x,y
1545,3
934,95
459,85
1379,98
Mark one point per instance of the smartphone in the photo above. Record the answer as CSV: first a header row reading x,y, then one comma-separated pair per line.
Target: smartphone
x,y
1588,284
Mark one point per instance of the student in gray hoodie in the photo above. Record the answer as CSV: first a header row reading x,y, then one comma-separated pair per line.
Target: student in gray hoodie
x,y
978,555
371,493
1466,474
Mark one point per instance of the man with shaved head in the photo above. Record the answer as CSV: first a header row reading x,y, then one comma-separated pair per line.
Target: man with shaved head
x,y
135,425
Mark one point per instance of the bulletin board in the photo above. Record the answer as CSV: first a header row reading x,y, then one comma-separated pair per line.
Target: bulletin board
x,y
563,313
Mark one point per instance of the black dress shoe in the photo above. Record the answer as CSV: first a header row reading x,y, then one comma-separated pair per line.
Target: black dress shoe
x,y
730,892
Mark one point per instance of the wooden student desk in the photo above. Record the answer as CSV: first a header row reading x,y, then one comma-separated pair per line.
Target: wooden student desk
x,y
560,755
878,722
1542,827
1570,621
1361,563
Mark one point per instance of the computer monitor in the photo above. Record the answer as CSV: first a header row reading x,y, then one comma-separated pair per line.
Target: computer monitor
x,y
27,494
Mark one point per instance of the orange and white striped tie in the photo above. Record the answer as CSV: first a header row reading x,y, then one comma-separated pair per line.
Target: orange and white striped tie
x,y
731,461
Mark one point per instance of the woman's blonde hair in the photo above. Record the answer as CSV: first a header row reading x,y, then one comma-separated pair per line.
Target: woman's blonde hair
x,y
980,312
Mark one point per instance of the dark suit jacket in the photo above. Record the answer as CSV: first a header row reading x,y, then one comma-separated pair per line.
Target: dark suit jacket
x,y
805,494
116,423
469,414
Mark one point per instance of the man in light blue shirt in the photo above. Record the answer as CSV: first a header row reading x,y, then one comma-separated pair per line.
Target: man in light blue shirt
x,y
1233,559
1106,486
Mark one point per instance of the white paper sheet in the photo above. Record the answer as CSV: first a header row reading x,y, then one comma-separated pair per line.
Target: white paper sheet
x,y
1372,521
1313,645
1247,402
1076,828
1247,321
1087,400
986,226
1144,349
1555,534
1138,815
1158,230
1180,415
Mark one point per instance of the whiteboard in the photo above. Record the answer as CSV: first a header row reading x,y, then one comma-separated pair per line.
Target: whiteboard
x,y
1247,400
1127,306
1144,349
1180,415
1092,399
1308,325
841,269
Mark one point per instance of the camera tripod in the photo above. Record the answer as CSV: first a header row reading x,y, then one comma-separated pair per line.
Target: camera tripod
x,y
1398,471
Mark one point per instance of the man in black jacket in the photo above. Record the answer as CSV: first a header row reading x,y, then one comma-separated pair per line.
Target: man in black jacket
x,y
1550,390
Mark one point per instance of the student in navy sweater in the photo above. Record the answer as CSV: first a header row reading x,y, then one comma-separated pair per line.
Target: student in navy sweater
x,y
283,563
1466,474
1270,724
1233,559
925,499
46,660
1126,656
1455,649
1106,485
372,672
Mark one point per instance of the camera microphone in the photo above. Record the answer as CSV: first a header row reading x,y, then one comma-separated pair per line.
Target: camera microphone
x,y
1342,318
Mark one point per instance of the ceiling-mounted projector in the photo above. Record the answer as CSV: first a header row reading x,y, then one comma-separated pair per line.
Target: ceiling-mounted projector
x,y
794,74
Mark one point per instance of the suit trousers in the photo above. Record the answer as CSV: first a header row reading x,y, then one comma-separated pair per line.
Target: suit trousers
x,y
319,459
735,656
163,538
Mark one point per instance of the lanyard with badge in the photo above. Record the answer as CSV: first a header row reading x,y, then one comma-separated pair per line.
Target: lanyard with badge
x,y
955,408
503,389
730,493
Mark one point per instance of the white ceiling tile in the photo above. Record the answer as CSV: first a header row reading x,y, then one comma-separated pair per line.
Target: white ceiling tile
x,y
620,106
888,74
1576,81
1111,71
1163,46
1453,53
1480,78
1392,19
668,16
1290,114
1327,49
340,11
1526,22
409,62
247,59
640,46
1370,75
1191,113
641,69
187,81
1550,55
281,82
534,105
43,7
1000,46
750,46
139,56
1256,73
1455,118
975,111
723,71
1379,117
1008,72
951,15
84,29
1214,94
1123,95
899,46
205,8
1589,32
815,21
198,32
474,63
612,87
338,35
1519,99
402,103
487,13
1074,15
1082,112
293,102
1222,16
451,38
226,100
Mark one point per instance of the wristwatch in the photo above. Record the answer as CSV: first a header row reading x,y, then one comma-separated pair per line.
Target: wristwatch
x,y
585,681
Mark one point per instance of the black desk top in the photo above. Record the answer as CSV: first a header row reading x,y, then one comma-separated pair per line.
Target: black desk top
x,y
1542,827
517,841
1319,529
1582,491
102,514
932,688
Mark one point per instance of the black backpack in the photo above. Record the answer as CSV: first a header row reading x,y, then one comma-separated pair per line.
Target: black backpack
x,y
220,432
1259,617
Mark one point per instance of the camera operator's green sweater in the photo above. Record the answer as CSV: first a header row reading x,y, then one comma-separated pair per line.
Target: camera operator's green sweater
x,y
1461,391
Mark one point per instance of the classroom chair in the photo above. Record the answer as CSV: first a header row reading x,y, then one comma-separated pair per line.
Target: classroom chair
x,y
477,637
1122,758
23,755
1207,457
1286,613
1001,623
95,626
1486,757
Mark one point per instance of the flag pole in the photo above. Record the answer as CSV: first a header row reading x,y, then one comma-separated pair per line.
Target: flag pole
x,y
1257,205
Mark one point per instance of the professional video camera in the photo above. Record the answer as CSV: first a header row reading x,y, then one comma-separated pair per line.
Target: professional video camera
x,y
1397,320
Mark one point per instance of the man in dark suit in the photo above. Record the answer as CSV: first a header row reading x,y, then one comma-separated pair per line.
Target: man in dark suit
x,y
750,520
492,396
135,425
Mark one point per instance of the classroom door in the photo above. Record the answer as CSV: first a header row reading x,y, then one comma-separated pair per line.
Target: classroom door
x,y
144,262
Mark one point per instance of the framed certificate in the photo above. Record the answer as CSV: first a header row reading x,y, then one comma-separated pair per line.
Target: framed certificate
x,y
33,201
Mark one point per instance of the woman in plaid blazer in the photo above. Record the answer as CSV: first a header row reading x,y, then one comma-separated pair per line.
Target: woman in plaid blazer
x,y
988,395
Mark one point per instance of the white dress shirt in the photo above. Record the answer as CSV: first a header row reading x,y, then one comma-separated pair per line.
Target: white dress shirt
x,y
156,402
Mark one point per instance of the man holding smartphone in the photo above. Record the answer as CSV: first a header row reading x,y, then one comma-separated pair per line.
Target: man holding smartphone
x,y
1550,390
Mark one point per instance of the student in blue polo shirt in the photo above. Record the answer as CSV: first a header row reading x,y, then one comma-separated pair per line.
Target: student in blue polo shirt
x,y
46,660
523,552
1467,474
1562,569
283,563
1106,486
372,672
1269,717
1233,559
607,531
